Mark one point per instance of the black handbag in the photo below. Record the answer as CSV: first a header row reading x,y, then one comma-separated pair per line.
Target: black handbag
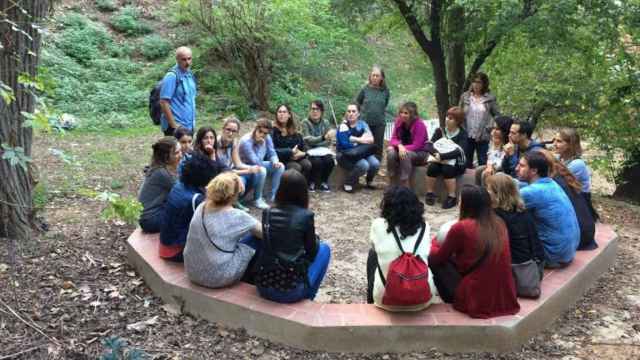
x,y
275,271
348,158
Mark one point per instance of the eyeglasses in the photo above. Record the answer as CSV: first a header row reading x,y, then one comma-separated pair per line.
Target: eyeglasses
x,y
230,130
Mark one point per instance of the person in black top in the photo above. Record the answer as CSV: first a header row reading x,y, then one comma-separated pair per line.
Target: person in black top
x,y
289,231
523,237
288,142
448,162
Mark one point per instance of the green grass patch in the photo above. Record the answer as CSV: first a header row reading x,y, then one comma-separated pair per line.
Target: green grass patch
x,y
105,158
41,195
128,22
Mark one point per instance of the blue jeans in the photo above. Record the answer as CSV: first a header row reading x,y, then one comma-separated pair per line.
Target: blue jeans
x,y
253,181
368,165
315,273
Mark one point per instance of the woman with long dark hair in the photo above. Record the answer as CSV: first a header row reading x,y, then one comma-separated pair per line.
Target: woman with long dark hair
x,y
159,178
289,233
402,213
472,267
288,142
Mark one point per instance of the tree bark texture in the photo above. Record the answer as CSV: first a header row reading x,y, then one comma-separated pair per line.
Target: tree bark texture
x,y
19,54
455,53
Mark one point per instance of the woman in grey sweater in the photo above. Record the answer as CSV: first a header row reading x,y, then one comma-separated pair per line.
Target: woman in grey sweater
x,y
221,240
373,100
159,178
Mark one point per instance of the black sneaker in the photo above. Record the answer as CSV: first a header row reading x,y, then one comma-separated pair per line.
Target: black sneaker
x,y
430,199
324,187
449,202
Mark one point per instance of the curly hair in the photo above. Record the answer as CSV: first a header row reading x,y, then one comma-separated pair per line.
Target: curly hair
x,y
401,208
199,170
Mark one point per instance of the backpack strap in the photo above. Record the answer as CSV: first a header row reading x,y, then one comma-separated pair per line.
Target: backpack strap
x,y
395,236
266,229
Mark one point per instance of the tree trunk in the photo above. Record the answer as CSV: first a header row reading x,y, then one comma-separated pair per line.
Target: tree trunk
x,y
440,78
19,54
455,53
627,187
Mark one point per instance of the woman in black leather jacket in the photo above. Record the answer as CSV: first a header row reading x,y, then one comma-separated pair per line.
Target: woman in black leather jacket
x,y
290,229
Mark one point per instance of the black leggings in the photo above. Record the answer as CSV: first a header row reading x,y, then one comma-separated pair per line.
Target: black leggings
x,y
321,168
437,169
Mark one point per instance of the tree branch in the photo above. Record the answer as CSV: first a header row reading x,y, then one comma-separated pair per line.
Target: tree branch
x,y
528,10
412,21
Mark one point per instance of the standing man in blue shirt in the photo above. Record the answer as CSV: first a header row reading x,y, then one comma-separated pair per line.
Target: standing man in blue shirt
x,y
178,95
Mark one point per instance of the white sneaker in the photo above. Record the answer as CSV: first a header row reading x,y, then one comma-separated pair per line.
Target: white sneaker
x,y
261,204
348,188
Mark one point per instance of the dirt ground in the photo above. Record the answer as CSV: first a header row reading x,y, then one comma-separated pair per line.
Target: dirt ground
x,y
67,291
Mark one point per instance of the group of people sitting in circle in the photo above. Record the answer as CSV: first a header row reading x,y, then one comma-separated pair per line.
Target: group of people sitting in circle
x,y
529,206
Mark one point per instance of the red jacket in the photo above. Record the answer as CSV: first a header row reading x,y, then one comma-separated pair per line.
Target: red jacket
x,y
489,290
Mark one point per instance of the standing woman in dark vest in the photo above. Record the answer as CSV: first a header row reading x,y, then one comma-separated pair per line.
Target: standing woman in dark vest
x,y
373,100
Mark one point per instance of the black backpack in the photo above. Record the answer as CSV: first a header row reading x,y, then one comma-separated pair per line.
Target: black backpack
x,y
155,111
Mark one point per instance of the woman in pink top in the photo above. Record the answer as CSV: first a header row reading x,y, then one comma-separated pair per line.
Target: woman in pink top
x,y
407,147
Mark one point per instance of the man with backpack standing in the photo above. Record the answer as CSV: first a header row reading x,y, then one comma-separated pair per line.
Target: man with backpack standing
x,y
178,94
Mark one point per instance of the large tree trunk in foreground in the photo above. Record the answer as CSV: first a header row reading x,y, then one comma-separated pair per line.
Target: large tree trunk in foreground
x,y
19,54
628,188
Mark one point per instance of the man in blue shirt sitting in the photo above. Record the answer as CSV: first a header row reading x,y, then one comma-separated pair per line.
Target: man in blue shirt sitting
x,y
178,95
552,211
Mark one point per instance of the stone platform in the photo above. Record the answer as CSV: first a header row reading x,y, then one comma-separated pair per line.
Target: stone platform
x,y
365,328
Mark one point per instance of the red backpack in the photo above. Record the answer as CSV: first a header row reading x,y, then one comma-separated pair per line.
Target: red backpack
x,y
407,281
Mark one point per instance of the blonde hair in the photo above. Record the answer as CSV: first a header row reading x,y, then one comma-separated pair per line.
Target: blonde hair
x,y
223,190
504,193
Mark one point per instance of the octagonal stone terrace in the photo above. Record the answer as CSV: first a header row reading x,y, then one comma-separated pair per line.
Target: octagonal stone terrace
x,y
364,327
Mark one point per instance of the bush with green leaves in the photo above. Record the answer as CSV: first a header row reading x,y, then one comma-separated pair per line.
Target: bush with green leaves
x,y
128,22
119,349
82,39
120,208
106,5
155,47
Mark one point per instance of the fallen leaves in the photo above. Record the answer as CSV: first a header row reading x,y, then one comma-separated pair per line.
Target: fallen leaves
x,y
140,326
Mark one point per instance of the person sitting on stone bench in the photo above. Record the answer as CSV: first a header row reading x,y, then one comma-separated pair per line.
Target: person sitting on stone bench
x,y
520,142
159,178
572,188
182,201
472,267
317,135
290,240
356,151
185,138
222,240
447,157
567,146
554,216
402,213
288,142
408,145
524,242
495,155
256,148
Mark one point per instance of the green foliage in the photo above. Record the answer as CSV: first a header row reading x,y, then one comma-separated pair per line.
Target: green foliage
x,y
82,39
118,349
155,47
15,156
40,195
128,22
120,208
106,5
